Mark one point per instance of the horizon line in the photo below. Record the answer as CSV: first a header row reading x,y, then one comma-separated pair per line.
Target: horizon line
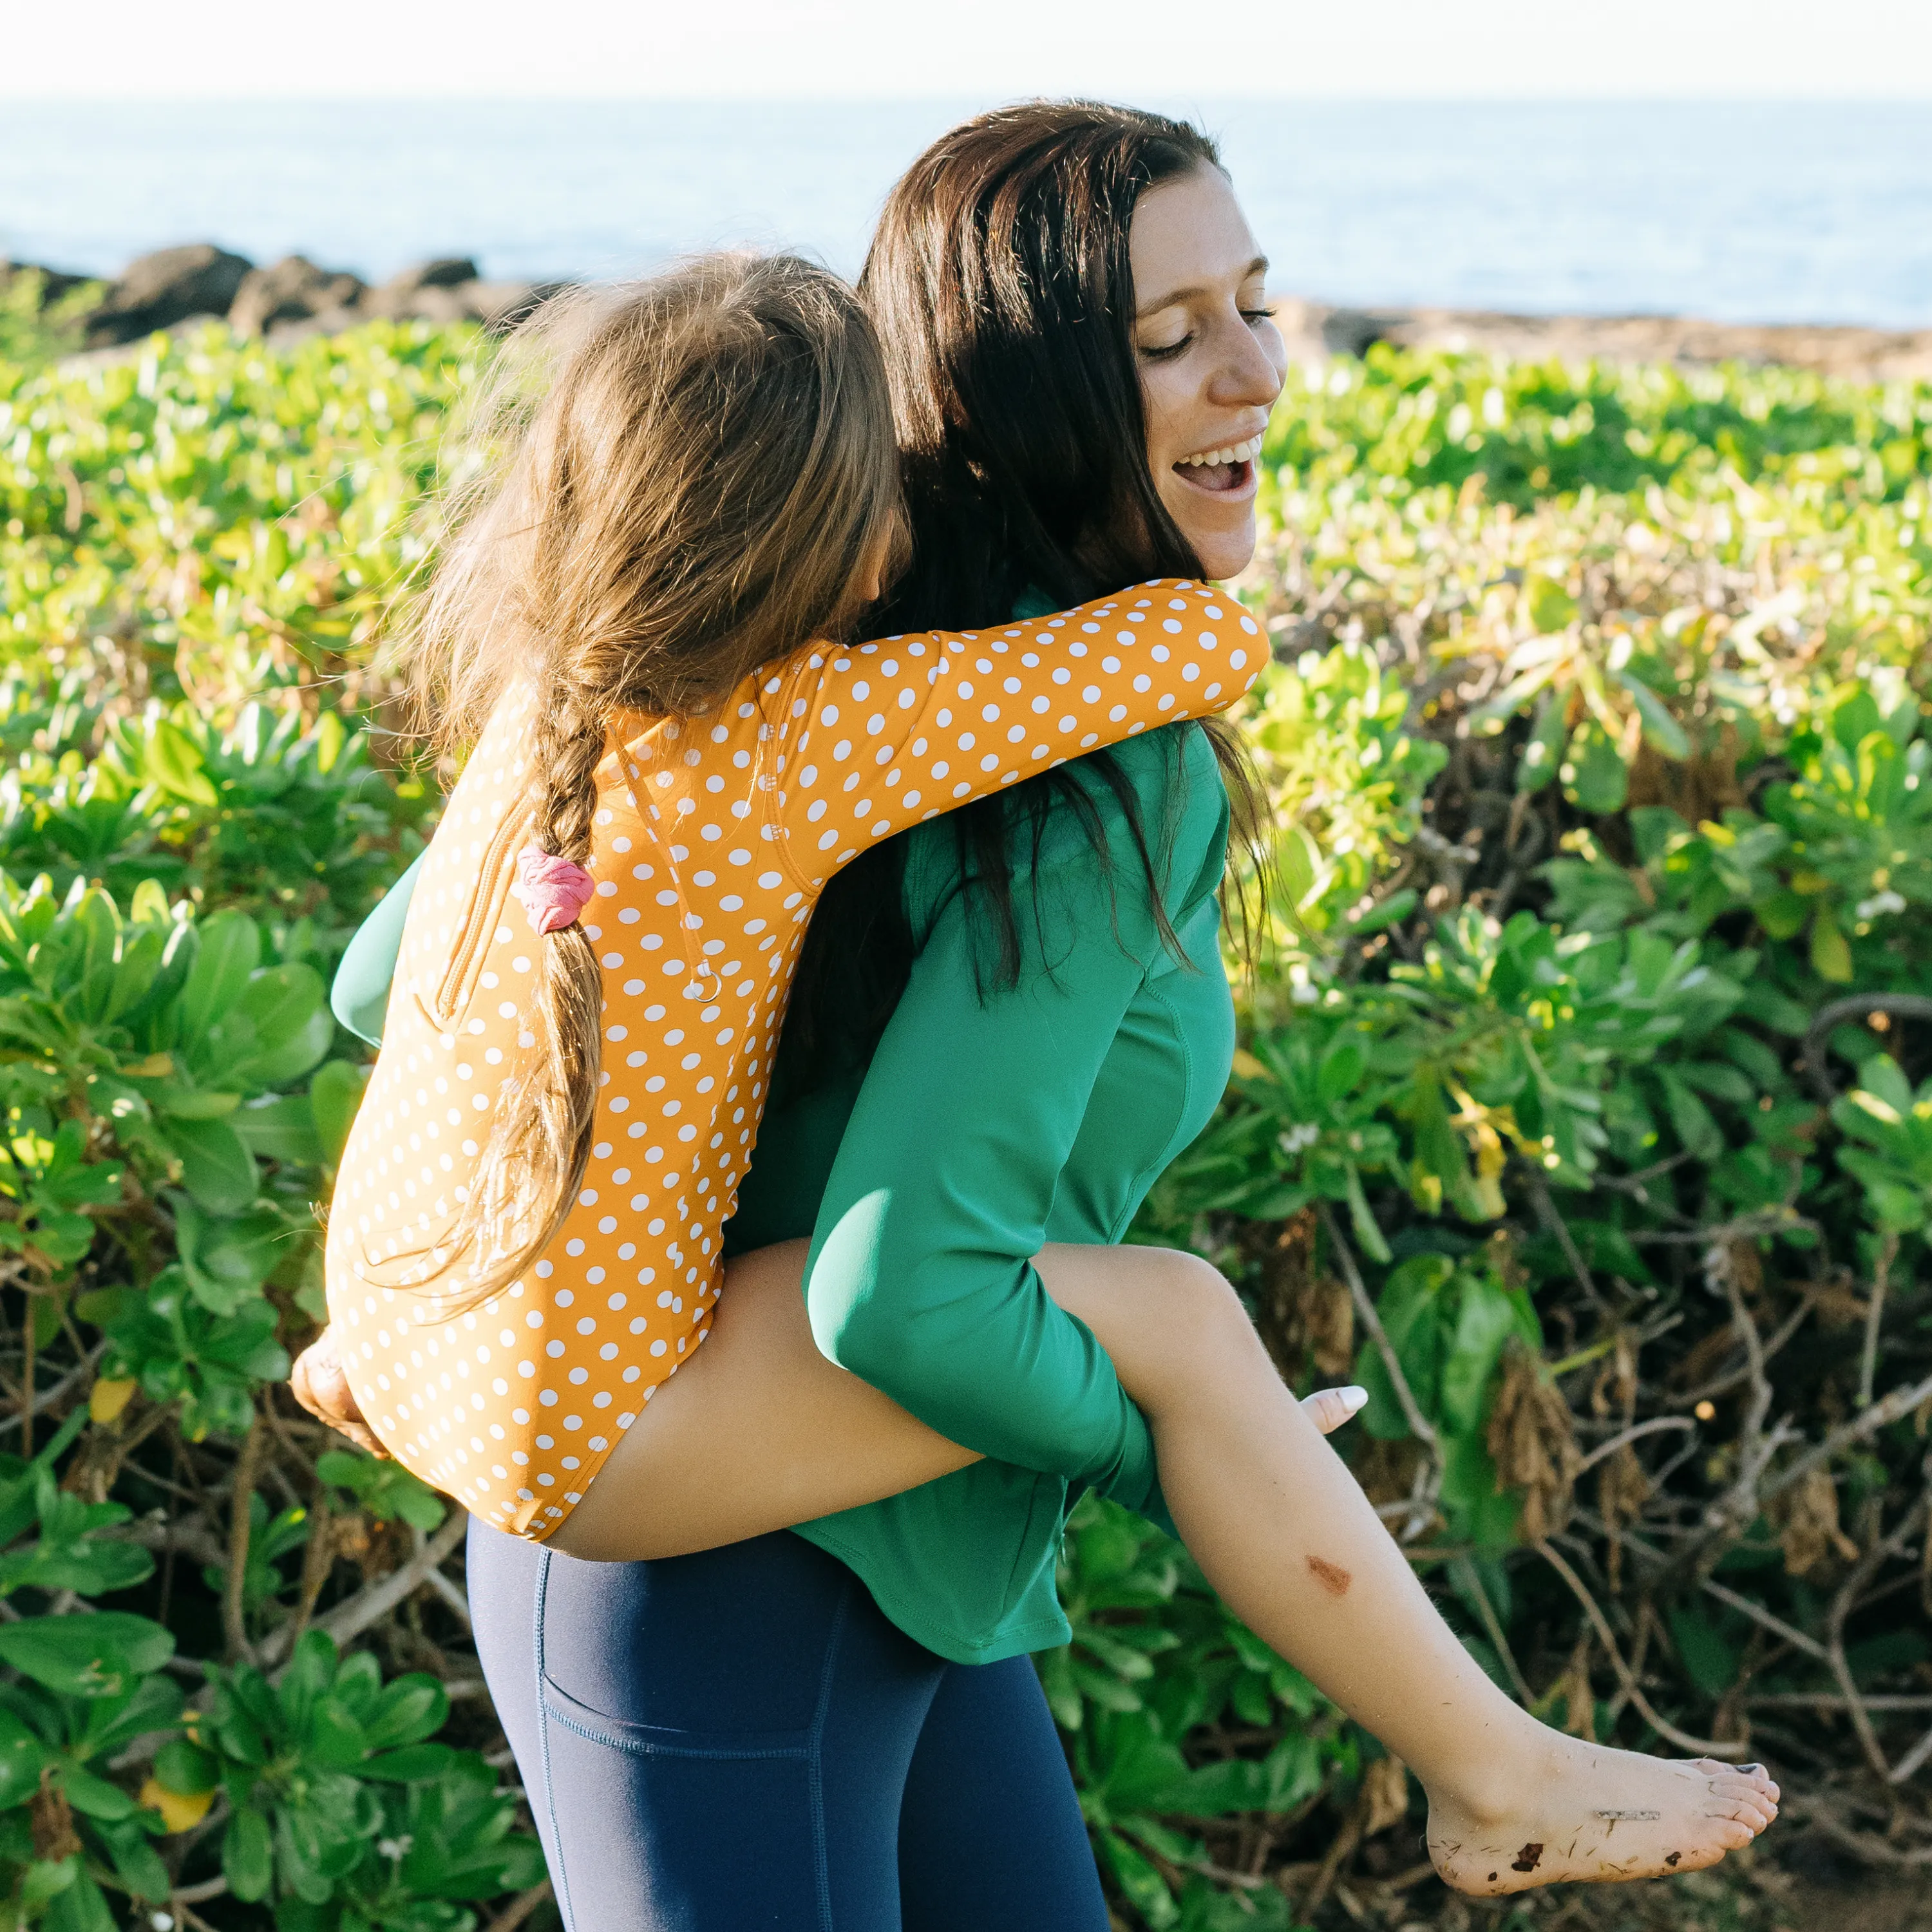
x,y
1301,97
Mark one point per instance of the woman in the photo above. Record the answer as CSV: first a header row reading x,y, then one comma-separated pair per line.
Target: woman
x,y
661,1710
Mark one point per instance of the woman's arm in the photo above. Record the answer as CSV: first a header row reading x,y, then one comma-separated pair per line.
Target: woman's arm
x,y
922,1278
360,996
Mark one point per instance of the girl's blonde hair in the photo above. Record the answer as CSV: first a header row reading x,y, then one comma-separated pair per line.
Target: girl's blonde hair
x,y
663,486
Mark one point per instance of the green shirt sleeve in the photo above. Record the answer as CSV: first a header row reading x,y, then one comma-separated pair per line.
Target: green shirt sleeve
x,y
359,997
920,1279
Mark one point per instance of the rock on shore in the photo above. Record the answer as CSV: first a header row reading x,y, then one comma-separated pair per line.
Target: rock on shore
x,y
1314,332
294,297
284,301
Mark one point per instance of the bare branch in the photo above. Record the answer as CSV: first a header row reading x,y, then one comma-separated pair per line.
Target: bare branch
x,y
1732,1747
233,1625
1547,1213
1419,1424
1902,1401
520,1907
366,1607
1630,1435
1856,1007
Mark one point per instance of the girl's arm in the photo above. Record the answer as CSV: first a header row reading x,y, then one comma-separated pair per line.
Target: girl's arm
x,y
857,744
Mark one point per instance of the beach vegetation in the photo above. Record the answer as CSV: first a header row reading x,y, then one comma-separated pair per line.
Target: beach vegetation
x,y
1582,1111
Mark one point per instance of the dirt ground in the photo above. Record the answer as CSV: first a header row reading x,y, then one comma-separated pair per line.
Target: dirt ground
x,y
1807,1889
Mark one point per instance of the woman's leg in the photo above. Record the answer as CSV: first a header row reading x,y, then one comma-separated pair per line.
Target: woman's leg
x,y
707,1742
990,1831
1268,1510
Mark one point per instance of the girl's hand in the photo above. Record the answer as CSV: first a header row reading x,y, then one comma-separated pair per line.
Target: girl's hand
x,y
323,1389
1327,1409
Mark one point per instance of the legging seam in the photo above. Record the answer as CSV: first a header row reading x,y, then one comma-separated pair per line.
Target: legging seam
x,y
635,1747
543,1745
821,1856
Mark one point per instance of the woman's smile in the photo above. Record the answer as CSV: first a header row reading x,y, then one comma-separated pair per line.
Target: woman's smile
x,y
1228,472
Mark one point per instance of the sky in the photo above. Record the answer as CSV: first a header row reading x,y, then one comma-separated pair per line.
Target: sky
x,y
873,49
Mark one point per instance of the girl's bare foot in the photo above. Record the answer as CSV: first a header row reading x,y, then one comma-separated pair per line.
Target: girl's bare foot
x,y
1566,1811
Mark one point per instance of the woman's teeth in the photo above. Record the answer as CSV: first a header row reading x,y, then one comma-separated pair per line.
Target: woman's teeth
x,y
1239,452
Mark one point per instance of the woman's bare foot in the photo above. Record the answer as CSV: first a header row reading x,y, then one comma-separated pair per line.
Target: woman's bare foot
x,y
1570,1811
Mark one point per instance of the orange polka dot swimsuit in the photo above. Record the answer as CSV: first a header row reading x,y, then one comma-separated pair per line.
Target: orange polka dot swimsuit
x,y
712,840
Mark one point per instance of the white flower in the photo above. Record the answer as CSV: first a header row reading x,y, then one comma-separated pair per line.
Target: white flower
x,y
1878,902
1297,1137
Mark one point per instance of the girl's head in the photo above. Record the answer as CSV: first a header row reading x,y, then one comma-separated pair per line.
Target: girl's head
x,y
667,485
1071,308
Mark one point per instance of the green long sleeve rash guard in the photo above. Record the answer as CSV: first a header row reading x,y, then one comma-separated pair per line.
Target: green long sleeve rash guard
x,y
983,1128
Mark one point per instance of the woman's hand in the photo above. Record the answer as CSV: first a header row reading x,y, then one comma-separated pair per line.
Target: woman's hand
x,y
1327,1409
322,1388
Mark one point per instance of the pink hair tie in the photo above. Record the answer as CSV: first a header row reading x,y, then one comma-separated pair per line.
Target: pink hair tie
x,y
554,891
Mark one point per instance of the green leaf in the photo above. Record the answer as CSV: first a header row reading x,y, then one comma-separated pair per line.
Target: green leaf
x,y
1551,607
229,951
174,763
185,1768
1543,753
1486,1321
287,1010
410,1765
79,1907
217,1170
336,1094
281,1130
97,1654
1699,1132
1830,955
248,1854
1659,727
1711,1660
21,1757
1594,774
94,1797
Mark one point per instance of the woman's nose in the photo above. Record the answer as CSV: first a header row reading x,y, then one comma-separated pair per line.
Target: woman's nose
x,y
1247,371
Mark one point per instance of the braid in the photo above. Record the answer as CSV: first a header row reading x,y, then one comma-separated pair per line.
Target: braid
x,y
571,738
530,1171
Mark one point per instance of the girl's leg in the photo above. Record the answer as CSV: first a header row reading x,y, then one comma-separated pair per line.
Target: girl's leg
x,y
758,1430
990,1830
1283,1532
707,1742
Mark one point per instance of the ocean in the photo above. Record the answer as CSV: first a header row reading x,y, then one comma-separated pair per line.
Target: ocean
x,y
1740,211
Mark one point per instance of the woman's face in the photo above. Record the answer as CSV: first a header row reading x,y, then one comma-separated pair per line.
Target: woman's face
x,y
1211,361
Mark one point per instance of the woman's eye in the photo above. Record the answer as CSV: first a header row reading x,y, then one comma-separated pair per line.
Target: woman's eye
x,y
1165,352
1253,316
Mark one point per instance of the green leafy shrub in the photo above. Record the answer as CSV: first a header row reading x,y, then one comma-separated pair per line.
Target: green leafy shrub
x,y
1583,1051
1600,784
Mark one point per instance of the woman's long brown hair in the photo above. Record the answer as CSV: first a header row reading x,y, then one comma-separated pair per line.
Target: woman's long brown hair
x,y
662,486
1000,279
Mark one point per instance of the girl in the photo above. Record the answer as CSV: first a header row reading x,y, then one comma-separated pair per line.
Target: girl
x,y
524,1239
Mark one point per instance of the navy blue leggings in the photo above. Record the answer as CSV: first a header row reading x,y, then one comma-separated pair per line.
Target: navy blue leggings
x,y
740,1739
